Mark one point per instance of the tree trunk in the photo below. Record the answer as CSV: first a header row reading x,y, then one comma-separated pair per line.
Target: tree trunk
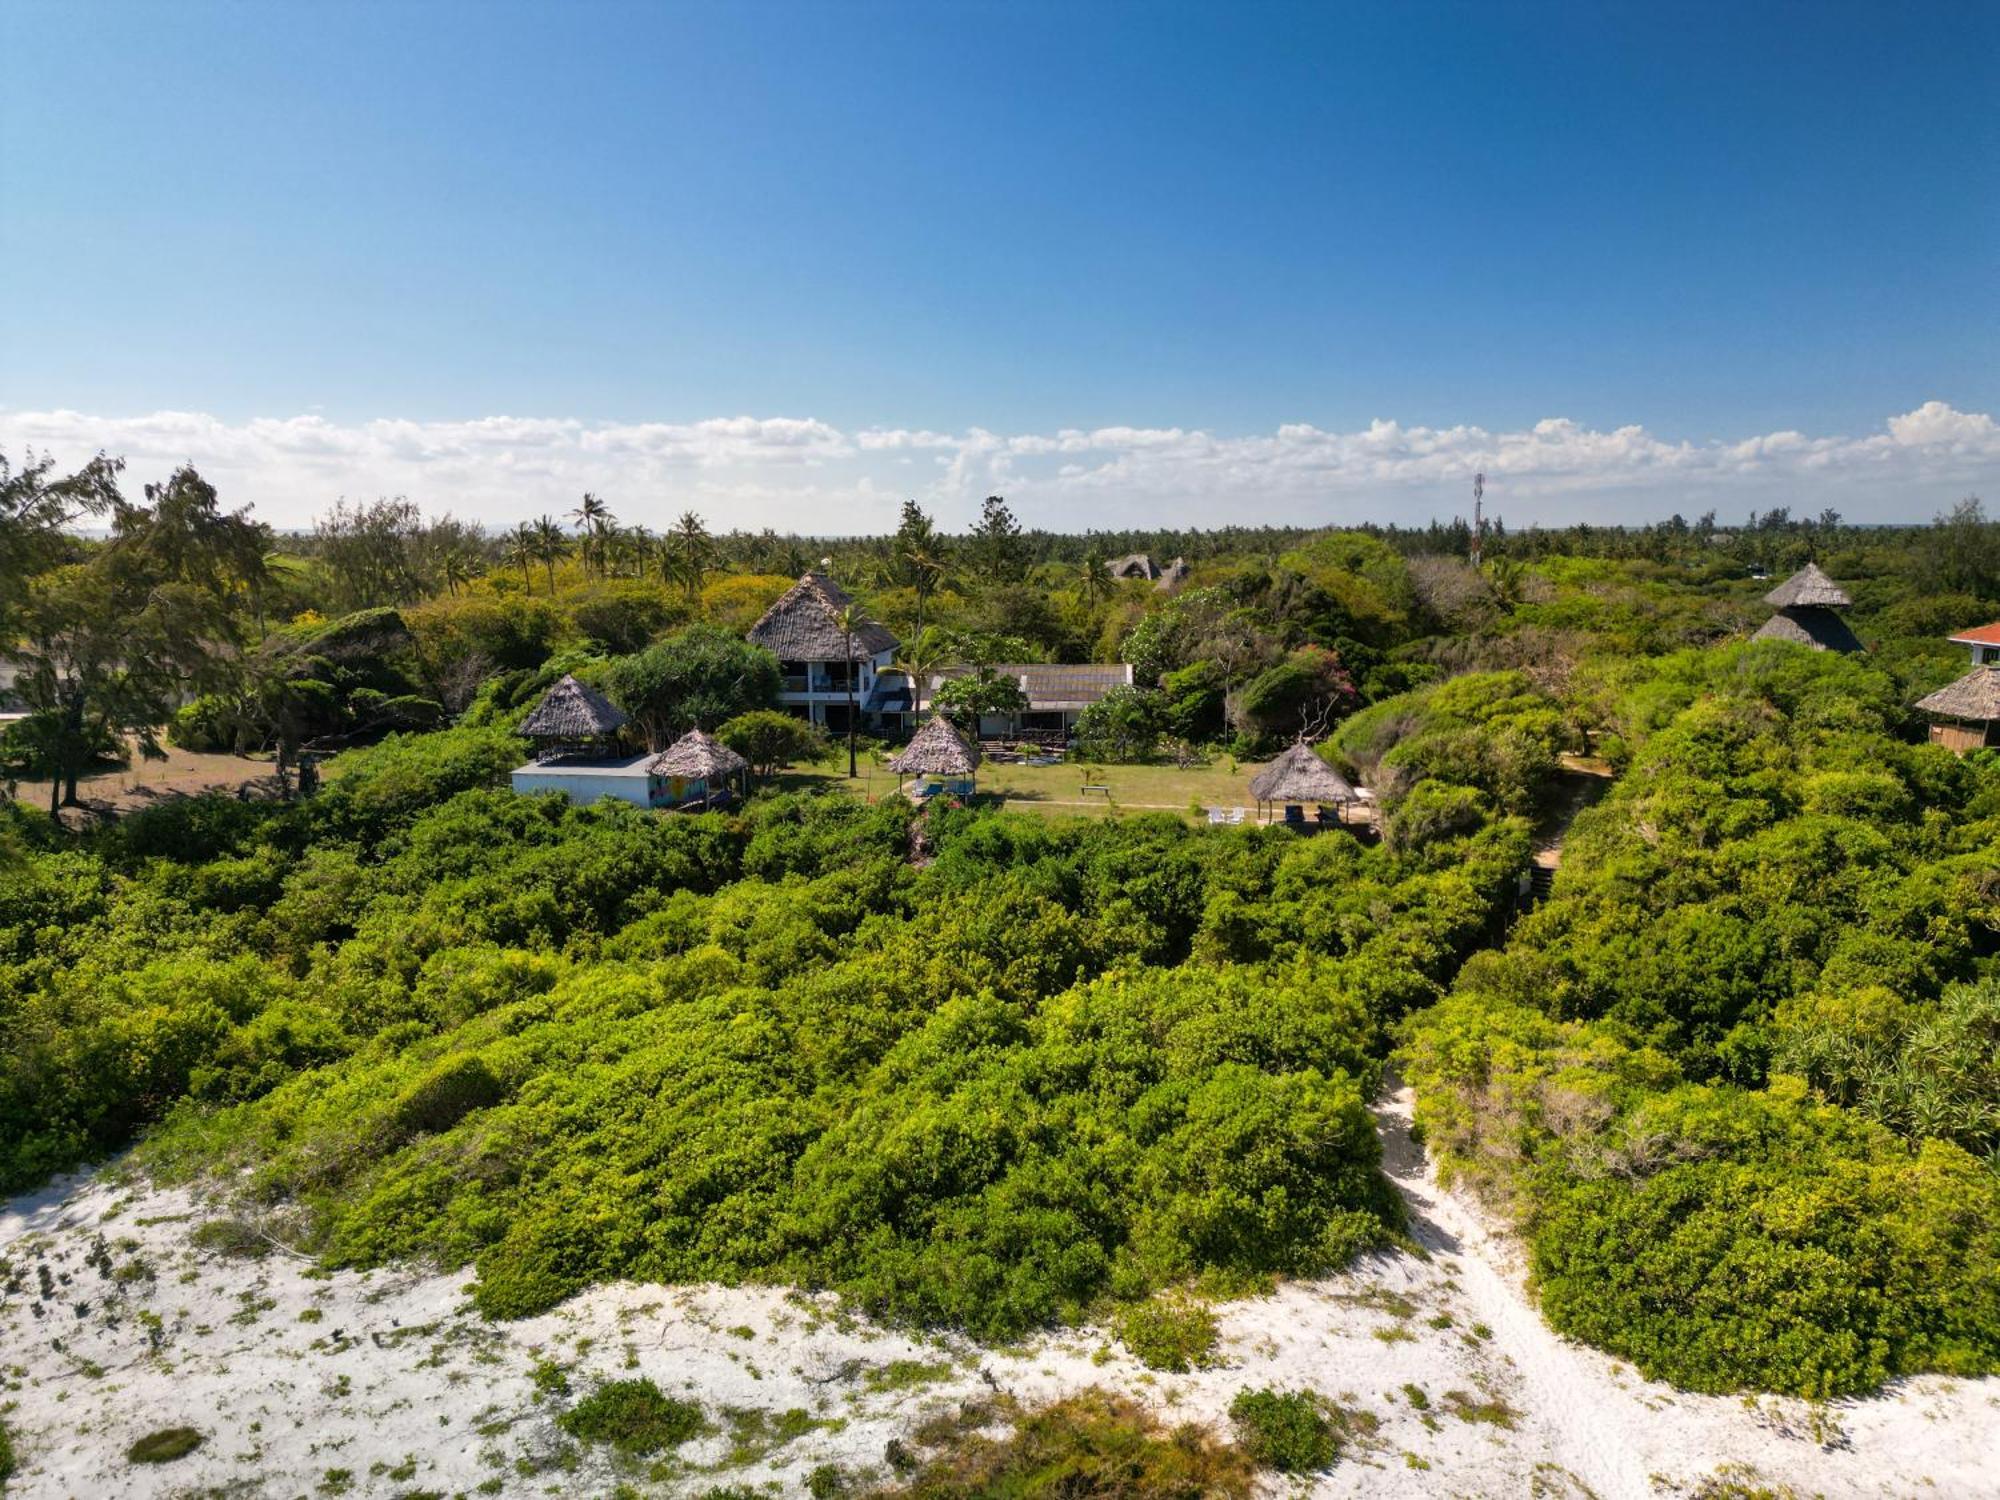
x,y
850,708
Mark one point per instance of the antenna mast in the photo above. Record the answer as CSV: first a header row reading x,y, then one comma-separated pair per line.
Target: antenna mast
x,y
1478,520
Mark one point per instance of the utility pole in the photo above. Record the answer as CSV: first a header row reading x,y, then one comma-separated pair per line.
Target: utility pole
x,y
1478,520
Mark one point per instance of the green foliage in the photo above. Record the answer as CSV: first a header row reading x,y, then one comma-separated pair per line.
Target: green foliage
x,y
700,677
1093,1443
1169,1335
1305,691
1762,943
632,1416
771,740
164,1446
968,697
1061,1061
1285,1430
1491,731
1122,726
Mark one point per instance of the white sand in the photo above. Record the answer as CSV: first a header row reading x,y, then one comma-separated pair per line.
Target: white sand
x,y
402,1386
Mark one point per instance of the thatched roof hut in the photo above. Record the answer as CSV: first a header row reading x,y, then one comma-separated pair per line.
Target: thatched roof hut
x,y
937,749
1819,628
1299,775
1808,605
1811,587
800,626
698,757
1973,699
569,711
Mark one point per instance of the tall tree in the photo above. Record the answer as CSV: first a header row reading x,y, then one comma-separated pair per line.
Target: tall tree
x,y
109,647
923,657
522,552
373,552
850,622
34,512
693,553
921,552
700,677
551,546
998,552
593,524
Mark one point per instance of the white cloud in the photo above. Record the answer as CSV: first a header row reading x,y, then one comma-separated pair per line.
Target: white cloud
x,y
807,475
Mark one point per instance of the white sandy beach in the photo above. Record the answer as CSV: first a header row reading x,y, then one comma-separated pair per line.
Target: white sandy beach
x,y
388,1383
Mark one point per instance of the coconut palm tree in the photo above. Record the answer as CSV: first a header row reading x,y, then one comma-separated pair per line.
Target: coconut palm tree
x,y
1093,581
926,565
593,521
693,552
455,568
521,553
850,622
921,660
551,546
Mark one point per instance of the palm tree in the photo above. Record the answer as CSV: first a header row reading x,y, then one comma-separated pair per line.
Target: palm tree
x,y
693,552
850,622
521,553
634,545
926,566
593,519
922,659
455,568
1093,583
550,546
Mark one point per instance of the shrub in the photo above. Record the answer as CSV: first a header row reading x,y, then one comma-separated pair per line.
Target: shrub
x,y
164,1446
1285,1430
1093,1443
633,1416
1166,1335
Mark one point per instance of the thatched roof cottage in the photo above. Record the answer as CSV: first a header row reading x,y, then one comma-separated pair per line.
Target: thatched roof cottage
x,y
572,719
1965,715
820,663
1808,606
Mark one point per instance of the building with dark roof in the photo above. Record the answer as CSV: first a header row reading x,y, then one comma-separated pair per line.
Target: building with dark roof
x,y
1057,693
1808,606
819,661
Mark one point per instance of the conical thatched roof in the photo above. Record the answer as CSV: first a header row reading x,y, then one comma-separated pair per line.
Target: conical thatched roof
x,y
698,757
937,749
571,711
1808,586
1299,775
800,626
1815,626
1974,697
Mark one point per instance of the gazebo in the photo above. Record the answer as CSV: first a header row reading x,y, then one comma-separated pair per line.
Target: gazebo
x,y
573,719
696,767
941,759
1299,776
1965,715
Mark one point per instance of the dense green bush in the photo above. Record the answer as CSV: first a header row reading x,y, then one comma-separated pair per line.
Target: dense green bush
x,y
1090,1444
1285,1430
1061,1062
1761,944
633,1416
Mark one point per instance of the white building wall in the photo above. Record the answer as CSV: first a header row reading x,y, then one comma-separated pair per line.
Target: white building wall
x,y
582,788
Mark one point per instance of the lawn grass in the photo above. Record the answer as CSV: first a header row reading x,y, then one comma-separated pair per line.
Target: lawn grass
x,y
1055,790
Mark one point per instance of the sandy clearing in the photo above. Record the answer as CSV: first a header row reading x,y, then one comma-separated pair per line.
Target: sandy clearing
x,y
387,1382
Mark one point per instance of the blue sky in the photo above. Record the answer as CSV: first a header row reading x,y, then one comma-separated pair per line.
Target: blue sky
x,y
366,227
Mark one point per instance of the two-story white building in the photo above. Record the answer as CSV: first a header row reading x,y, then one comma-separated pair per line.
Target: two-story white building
x,y
818,658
